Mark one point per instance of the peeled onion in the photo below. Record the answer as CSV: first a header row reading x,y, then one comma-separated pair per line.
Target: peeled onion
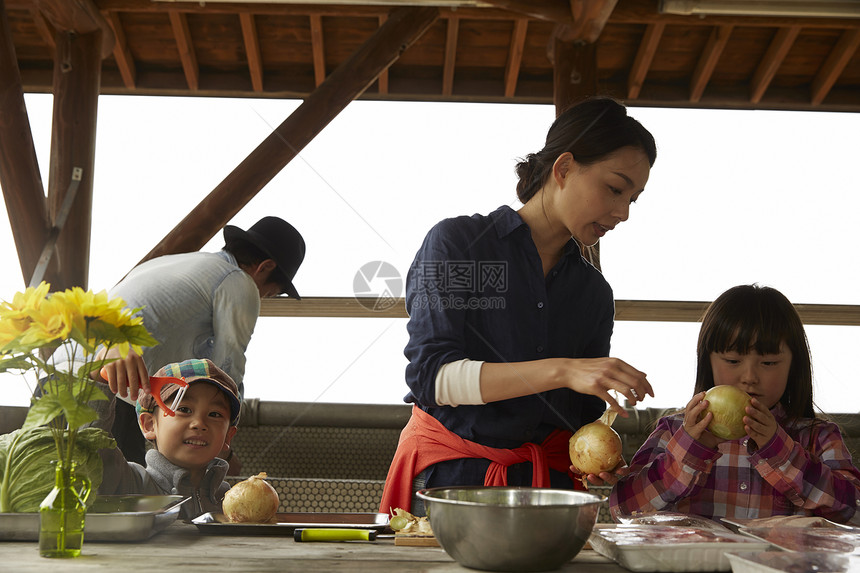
x,y
595,448
727,404
253,500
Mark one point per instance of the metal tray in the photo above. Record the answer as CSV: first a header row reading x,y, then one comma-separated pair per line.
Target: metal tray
x,y
287,523
109,518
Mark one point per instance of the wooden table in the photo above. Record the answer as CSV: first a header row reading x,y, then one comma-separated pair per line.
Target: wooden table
x,y
182,548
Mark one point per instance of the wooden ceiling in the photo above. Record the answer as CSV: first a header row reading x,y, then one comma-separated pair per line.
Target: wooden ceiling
x,y
493,51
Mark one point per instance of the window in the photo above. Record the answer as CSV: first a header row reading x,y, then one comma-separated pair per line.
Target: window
x,y
735,197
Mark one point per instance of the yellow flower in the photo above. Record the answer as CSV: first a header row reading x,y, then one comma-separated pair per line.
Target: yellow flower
x,y
15,316
51,321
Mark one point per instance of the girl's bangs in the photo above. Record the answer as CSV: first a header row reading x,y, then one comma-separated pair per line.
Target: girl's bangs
x,y
746,332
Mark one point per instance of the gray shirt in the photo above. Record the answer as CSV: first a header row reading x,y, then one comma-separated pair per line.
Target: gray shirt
x,y
197,305
161,477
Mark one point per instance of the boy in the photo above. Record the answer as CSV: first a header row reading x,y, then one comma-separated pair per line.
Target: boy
x,y
186,445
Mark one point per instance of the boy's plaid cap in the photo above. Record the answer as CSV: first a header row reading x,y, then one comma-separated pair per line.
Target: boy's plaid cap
x,y
194,370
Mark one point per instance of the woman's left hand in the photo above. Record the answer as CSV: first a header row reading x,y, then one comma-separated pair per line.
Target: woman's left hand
x,y
759,423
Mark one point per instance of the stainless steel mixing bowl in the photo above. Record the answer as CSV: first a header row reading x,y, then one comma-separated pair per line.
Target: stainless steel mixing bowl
x,y
511,528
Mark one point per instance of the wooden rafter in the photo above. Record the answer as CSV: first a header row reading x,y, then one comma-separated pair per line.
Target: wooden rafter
x,y
185,45
318,49
515,56
79,16
349,80
589,18
77,78
644,56
836,61
252,50
767,68
557,11
627,310
19,167
44,28
708,60
382,80
121,53
450,63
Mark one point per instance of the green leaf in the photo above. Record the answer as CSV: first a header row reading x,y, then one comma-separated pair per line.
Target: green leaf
x,y
43,411
15,363
77,413
26,471
104,332
137,334
76,335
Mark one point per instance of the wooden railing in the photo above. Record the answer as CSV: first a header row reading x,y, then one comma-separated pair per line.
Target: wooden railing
x,y
631,310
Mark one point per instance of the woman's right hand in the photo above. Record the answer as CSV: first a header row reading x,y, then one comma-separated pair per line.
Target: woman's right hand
x,y
600,376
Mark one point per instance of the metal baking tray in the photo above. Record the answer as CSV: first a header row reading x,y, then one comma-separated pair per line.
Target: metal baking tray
x,y
287,523
109,518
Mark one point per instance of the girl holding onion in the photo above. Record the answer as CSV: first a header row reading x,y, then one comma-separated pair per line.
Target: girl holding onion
x,y
789,461
509,323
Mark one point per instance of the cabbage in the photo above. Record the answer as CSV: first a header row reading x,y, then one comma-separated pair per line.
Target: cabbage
x,y
26,471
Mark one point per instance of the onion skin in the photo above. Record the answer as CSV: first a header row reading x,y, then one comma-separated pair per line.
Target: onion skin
x,y
727,403
595,448
253,500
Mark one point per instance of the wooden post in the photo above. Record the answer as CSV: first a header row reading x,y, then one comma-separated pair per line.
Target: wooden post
x,y
19,168
77,76
574,79
403,27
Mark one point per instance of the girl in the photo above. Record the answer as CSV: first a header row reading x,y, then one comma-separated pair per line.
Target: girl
x,y
509,324
790,462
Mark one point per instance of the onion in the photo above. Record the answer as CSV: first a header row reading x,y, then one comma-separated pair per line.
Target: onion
x,y
252,500
595,447
727,404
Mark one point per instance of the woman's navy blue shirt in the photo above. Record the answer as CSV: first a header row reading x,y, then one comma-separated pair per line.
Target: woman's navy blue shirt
x,y
477,290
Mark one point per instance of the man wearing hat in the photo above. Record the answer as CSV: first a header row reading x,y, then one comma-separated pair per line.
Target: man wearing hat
x,y
201,305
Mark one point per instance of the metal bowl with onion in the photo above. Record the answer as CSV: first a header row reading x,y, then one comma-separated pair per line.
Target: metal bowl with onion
x,y
511,528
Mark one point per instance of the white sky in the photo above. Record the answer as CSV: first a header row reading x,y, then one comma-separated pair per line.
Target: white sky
x,y
735,197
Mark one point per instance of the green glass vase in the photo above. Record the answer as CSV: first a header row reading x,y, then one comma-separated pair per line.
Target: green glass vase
x,y
62,514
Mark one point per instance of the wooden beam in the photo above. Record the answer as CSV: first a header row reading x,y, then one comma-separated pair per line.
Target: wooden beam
x,y
626,12
645,12
515,56
450,62
644,56
589,18
19,167
557,11
77,74
79,16
252,50
626,310
121,53
834,64
574,73
382,80
708,60
318,49
185,45
574,78
348,81
46,32
767,68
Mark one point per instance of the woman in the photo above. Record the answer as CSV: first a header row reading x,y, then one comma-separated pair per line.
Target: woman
x,y
509,325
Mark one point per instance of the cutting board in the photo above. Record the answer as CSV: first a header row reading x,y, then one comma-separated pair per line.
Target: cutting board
x,y
415,540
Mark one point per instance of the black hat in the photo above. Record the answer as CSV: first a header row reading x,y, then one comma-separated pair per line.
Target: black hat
x,y
280,241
